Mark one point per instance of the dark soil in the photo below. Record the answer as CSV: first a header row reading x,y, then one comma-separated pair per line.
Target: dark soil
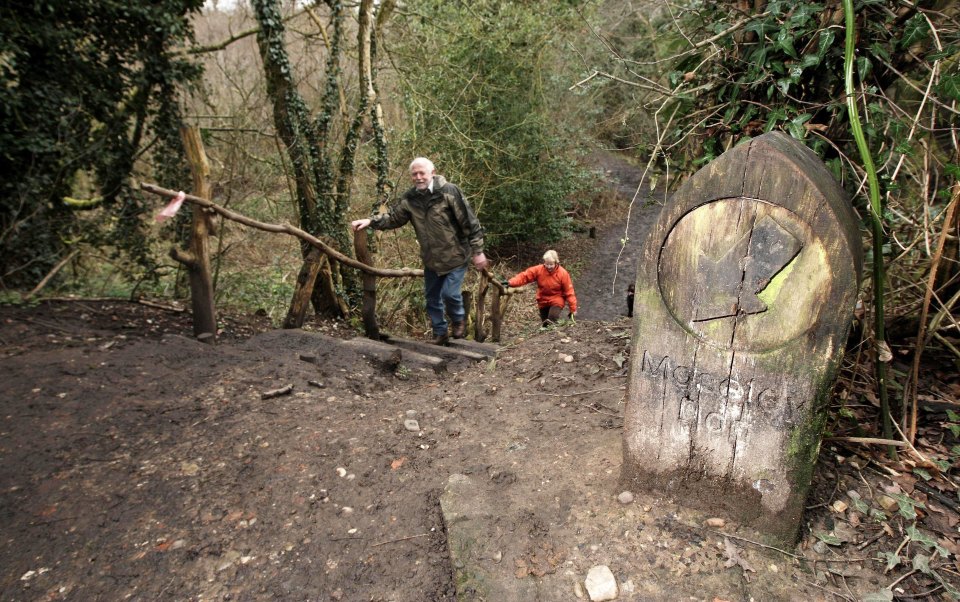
x,y
137,463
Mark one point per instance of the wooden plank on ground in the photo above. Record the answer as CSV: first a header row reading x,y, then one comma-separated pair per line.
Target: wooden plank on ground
x,y
430,348
388,355
484,348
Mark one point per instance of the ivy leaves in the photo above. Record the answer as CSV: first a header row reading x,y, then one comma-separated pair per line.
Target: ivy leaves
x,y
783,69
949,86
87,82
915,30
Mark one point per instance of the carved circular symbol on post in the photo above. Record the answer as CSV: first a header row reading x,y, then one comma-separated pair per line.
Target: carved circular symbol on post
x,y
743,274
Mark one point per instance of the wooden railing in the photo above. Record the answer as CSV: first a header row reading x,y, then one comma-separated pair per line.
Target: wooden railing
x,y
499,300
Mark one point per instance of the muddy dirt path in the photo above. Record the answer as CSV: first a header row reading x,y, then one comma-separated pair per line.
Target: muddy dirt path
x,y
602,284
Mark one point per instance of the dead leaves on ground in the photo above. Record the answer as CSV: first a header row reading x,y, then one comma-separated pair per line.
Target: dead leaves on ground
x,y
540,559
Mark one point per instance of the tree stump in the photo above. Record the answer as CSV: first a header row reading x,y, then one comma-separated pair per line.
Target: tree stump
x,y
743,303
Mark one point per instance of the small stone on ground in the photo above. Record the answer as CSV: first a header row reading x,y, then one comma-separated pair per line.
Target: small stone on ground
x,y
601,584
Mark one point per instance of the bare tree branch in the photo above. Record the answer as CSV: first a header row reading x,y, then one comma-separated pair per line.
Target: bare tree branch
x,y
283,229
236,37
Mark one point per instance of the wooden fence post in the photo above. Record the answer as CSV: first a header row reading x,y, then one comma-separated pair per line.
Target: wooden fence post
x,y
502,301
369,310
470,316
478,334
496,315
197,259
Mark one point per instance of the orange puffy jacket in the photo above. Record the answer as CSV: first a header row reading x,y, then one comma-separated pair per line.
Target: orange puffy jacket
x,y
554,289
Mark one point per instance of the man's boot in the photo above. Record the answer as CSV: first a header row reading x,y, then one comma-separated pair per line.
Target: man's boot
x,y
459,329
441,339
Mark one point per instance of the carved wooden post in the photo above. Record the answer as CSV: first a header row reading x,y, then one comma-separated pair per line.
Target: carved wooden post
x,y
742,308
369,310
197,258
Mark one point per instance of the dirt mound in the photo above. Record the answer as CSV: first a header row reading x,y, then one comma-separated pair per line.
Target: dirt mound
x,y
152,465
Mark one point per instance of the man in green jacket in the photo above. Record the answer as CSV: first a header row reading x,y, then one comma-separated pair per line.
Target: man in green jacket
x,y
450,237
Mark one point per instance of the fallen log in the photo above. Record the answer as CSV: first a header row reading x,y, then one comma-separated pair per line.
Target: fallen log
x,y
485,349
430,348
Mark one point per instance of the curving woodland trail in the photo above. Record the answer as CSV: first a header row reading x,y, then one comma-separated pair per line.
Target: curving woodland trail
x,y
612,266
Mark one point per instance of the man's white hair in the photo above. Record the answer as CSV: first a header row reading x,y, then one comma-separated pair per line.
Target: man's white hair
x,y
424,162
551,256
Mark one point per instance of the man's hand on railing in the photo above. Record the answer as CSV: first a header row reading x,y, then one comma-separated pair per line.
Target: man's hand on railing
x,y
480,261
359,224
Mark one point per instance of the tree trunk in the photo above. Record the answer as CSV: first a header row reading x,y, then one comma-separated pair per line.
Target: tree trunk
x,y
300,137
326,301
312,263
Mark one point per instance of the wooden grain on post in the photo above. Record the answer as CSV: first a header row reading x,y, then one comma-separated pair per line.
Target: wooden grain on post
x,y
743,303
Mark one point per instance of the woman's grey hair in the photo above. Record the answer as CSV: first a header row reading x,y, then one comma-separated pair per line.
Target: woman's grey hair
x,y
551,255
424,162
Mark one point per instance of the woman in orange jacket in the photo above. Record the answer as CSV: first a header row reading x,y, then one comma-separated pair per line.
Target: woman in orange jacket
x,y
554,287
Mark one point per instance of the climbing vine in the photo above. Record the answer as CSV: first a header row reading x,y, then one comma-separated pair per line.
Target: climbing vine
x,y
89,88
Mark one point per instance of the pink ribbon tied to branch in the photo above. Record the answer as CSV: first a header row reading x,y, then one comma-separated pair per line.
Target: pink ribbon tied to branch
x,y
172,207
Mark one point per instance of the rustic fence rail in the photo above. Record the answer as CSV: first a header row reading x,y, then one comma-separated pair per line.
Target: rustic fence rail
x,y
499,297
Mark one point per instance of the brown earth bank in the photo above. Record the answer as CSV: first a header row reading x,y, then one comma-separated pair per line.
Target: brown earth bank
x,y
137,463
140,464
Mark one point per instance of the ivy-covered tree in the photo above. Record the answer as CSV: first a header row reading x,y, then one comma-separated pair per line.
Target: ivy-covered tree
x,y
88,88
322,155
